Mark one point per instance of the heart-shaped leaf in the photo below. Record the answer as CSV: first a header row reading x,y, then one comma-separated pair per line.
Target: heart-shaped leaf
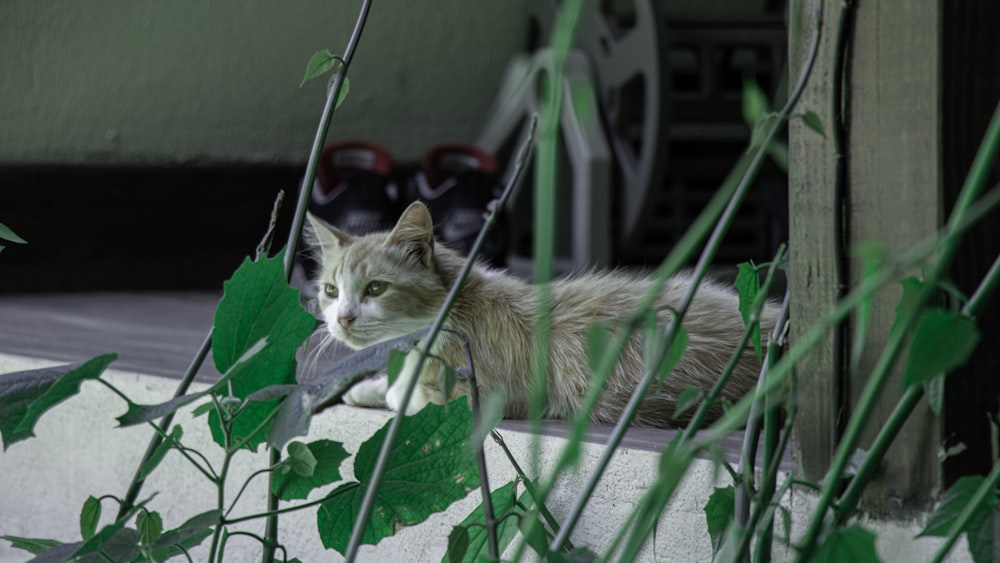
x,y
431,467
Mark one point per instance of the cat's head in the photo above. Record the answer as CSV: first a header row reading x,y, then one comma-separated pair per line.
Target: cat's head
x,y
378,286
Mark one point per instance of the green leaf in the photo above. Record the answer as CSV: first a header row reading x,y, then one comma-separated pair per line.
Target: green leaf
x,y
202,409
319,64
982,538
475,536
687,400
35,546
429,468
26,395
7,234
301,459
934,391
150,525
327,456
345,87
755,103
748,286
812,121
673,356
121,545
258,304
719,512
908,302
953,502
942,342
114,541
534,535
188,535
854,544
160,452
458,545
90,514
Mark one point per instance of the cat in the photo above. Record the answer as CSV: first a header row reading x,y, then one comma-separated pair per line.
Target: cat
x,y
380,286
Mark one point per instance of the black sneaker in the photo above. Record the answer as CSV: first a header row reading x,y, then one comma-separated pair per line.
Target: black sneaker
x,y
457,183
354,192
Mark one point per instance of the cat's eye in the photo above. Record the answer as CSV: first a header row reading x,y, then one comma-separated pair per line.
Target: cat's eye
x,y
330,290
376,288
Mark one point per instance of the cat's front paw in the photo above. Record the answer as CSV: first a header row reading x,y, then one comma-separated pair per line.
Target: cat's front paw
x,y
394,396
369,392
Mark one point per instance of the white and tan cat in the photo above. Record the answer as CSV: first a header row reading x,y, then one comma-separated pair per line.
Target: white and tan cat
x,y
380,286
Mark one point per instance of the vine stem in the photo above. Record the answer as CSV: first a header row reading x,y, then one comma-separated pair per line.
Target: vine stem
x,y
295,233
484,481
974,183
711,247
382,463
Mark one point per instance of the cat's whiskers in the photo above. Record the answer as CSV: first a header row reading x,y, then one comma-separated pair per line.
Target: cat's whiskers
x,y
311,362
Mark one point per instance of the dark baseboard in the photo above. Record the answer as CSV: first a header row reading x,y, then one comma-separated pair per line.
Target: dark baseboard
x,y
136,227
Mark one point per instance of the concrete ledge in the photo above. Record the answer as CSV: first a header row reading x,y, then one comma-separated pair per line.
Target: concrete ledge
x,y
79,452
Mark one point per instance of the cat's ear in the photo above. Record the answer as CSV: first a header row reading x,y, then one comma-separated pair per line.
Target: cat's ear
x,y
325,235
415,232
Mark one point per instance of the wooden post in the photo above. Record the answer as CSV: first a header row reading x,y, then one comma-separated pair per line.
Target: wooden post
x,y
891,194
894,194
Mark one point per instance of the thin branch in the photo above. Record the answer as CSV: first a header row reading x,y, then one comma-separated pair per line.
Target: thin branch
x,y
477,420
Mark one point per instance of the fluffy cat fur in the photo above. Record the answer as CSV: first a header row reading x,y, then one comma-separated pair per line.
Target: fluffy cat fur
x,y
413,273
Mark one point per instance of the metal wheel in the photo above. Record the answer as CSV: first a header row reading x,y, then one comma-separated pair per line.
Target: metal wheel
x,y
625,42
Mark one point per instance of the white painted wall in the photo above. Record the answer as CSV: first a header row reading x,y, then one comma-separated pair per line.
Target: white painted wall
x,y
78,452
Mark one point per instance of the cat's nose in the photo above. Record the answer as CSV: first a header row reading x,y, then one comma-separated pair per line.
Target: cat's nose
x,y
346,321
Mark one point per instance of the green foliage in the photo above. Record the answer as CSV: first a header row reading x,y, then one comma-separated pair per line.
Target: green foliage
x,y
719,512
186,536
150,526
137,414
90,514
9,235
34,546
688,399
322,62
942,341
854,544
673,356
312,465
432,468
747,286
171,441
257,304
467,540
812,121
979,531
26,395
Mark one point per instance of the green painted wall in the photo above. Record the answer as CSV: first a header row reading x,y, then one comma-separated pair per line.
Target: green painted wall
x,y
218,81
